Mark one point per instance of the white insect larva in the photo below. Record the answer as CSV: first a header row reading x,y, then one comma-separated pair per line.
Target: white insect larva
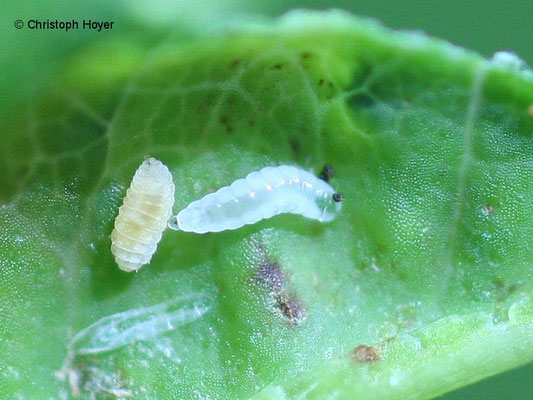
x,y
143,216
262,194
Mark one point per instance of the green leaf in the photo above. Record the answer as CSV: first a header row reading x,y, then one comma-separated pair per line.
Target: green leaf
x,y
429,265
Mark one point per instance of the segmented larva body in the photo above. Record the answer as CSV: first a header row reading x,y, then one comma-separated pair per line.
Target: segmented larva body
x,y
262,194
143,216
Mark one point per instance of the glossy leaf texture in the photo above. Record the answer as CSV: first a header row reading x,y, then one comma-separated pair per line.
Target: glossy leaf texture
x,y
422,284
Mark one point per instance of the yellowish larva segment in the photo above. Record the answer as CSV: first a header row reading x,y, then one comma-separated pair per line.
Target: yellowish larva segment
x,y
143,215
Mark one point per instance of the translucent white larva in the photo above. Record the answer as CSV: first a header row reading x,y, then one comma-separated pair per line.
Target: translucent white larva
x,y
262,194
143,216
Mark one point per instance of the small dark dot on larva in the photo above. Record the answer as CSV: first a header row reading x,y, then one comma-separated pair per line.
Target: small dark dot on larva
x,y
365,354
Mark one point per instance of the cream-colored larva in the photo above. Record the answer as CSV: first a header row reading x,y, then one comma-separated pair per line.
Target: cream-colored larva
x,y
143,216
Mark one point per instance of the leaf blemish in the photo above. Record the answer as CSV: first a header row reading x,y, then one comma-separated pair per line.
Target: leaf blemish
x,y
295,146
224,121
291,308
277,66
327,172
271,276
365,354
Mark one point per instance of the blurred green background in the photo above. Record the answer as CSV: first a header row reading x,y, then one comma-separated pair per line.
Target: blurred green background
x,y
29,58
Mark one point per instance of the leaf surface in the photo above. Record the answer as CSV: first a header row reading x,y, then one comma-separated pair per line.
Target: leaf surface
x,y
429,265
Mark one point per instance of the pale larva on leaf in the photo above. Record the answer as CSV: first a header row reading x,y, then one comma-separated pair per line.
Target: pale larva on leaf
x,y
143,215
262,194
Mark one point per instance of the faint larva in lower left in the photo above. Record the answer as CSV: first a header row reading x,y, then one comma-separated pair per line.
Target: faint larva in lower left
x,y
143,216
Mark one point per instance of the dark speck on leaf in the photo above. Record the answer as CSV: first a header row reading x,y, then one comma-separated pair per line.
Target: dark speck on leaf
x,y
270,275
365,354
277,66
321,82
291,308
295,146
305,54
224,120
327,173
235,63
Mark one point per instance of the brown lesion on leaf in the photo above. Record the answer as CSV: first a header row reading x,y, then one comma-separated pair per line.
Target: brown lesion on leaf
x,y
327,172
277,66
305,55
504,290
234,63
291,308
365,354
269,274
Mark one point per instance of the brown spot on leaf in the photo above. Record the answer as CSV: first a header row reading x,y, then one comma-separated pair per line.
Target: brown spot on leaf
x,y
320,82
365,354
277,66
291,308
235,63
305,55
270,275
327,172
224,120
